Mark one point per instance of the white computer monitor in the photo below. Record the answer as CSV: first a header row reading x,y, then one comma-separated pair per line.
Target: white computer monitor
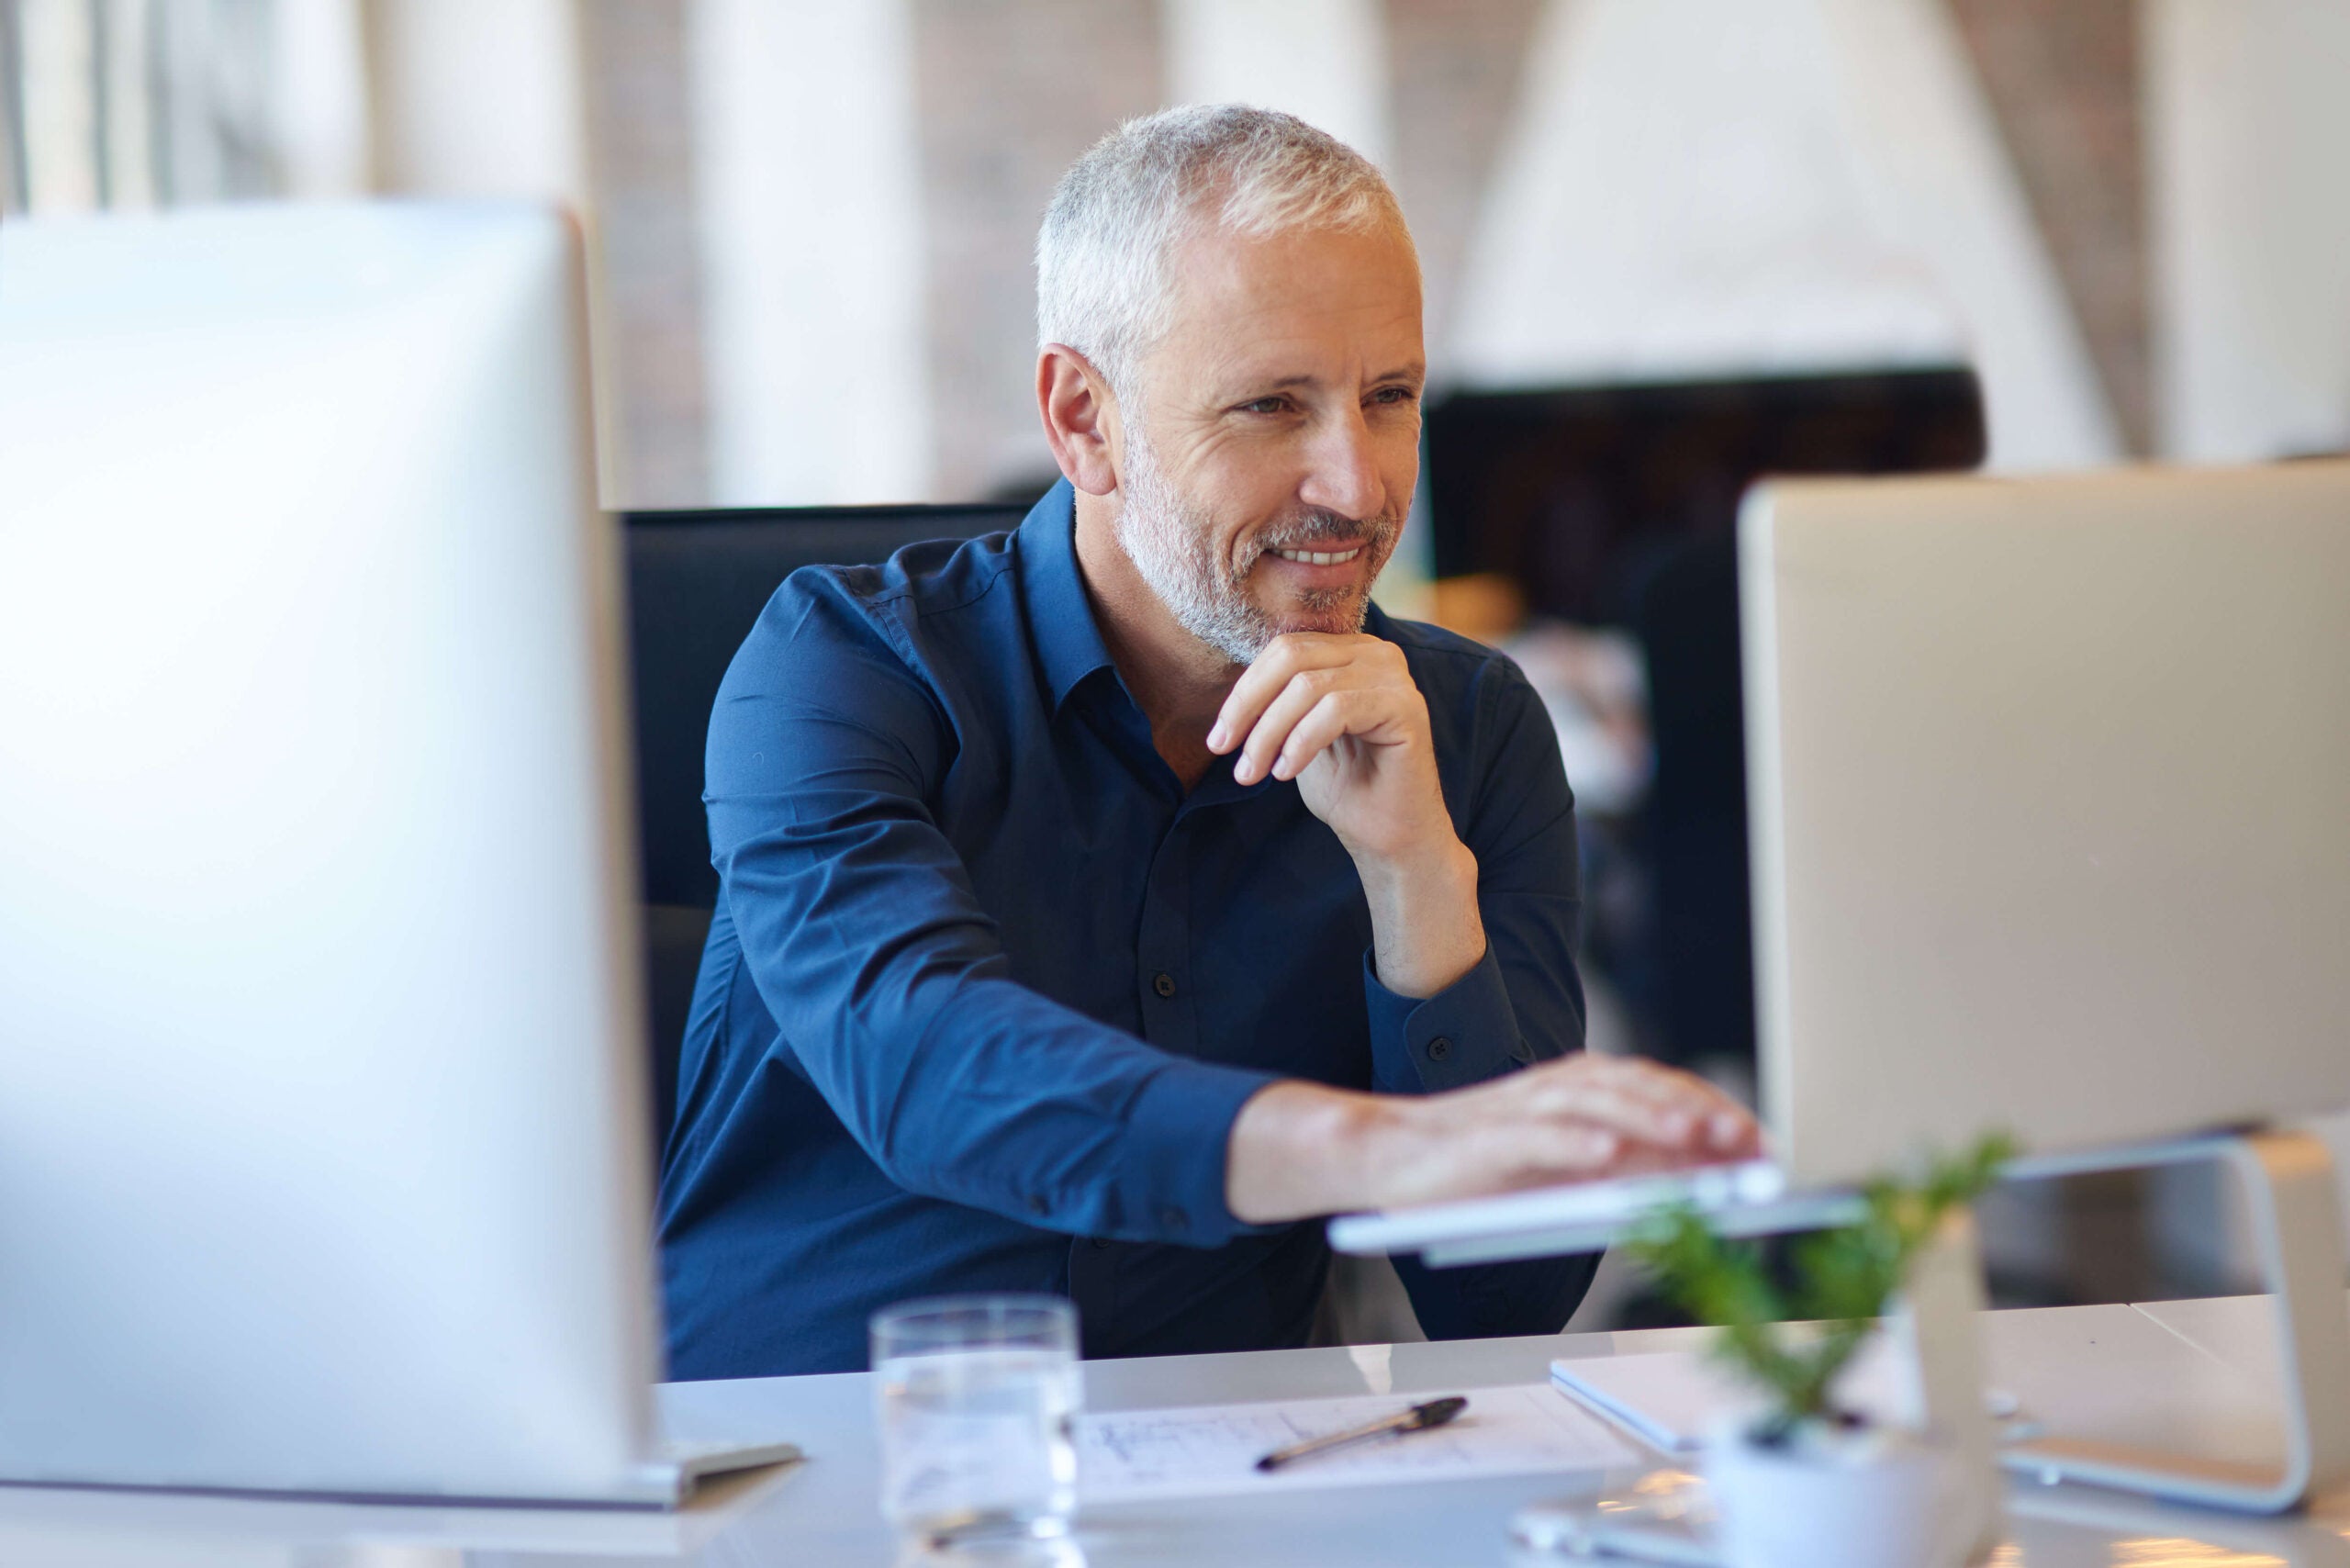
x,y
2049,787
2046,781
322,1163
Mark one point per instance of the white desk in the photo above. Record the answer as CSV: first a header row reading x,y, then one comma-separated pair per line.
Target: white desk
x,y
2104,1371
2239,1329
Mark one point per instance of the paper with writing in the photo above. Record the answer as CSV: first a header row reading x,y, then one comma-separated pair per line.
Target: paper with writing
x,y
1212,1451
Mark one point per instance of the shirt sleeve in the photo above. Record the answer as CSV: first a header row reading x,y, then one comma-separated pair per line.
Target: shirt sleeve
x,y
889,982
1465,1033
1523,1002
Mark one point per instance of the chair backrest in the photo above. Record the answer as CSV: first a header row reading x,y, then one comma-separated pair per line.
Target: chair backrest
x,y
697,583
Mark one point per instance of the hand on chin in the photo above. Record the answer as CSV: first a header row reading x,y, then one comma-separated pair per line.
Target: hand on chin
x,y
1337,710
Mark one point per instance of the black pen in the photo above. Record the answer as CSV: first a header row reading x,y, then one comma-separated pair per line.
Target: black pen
x,y
1418,1419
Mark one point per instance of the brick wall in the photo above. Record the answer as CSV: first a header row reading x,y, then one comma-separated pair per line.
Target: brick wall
x,y
648,267
1011,91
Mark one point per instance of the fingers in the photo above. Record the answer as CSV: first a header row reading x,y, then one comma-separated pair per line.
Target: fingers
x,y
1733,1133
1332,711
1285,658
1637,1117
1668,1113
1337,713
1581,1118
1574,1152
1712,1116
1547,1153
1263,750
1571,1151
1282,659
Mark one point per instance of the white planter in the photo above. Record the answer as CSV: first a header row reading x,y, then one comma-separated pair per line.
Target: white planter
x,y
1871,1500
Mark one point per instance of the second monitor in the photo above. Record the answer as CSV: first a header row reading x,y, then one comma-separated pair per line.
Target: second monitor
x,y
2046,781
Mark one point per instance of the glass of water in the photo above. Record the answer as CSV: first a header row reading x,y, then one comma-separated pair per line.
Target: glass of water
x,y
977,1400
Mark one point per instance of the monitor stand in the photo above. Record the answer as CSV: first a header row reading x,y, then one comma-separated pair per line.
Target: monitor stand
x,y
2297,1227
1934,1324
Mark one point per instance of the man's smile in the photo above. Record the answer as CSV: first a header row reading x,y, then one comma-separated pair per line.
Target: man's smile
x,y
1320,557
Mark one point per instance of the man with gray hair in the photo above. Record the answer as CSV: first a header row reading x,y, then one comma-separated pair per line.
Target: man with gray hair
x,y
1105,902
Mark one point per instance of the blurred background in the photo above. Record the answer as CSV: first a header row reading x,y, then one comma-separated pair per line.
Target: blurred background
x,y
1670,245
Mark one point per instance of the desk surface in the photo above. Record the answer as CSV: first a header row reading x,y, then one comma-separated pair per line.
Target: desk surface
x,y
2177,1374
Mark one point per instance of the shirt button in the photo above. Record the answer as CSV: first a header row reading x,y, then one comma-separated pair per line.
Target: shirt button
x,y
1038,1206
1163,984
1521,1050
1439,1049
1100,1244
1173,1218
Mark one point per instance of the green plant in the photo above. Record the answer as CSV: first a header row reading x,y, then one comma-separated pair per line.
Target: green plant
x,y
1835,1280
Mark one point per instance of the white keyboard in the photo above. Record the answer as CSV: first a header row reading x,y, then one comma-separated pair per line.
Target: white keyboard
x,y
1584,1216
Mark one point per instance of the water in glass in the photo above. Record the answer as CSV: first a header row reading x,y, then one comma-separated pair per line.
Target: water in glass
x,y
978,1405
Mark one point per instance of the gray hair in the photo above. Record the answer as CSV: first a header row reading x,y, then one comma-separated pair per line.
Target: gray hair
x,y
1103,253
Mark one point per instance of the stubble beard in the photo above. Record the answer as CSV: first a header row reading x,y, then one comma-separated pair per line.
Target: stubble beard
x,y
1170,541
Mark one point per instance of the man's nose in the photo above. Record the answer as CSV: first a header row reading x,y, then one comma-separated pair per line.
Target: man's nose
x,y
1342,475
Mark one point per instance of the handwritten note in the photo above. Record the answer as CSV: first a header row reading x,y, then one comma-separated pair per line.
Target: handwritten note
x,y
1212,1451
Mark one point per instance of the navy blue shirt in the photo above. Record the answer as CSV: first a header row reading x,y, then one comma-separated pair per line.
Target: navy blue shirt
x,y
986,986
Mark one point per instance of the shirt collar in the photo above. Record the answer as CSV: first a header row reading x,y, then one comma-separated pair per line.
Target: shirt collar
x,y
1060,618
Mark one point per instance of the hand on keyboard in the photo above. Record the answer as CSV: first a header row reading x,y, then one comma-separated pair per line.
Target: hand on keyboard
x,y
1298,1148
1581,1117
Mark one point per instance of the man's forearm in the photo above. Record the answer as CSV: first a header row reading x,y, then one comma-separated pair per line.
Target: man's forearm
x,y
1300,1148
1425,932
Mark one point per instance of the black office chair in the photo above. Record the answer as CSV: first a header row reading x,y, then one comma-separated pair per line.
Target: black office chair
x,y
697,583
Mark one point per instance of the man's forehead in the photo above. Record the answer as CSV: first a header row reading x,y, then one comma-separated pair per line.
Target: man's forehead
x,y
1276,309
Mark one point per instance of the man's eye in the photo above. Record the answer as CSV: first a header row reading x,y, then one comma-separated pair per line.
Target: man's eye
x,y
1395,395
1265,406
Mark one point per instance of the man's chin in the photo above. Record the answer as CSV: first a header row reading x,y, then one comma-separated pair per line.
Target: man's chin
x,y
1342,618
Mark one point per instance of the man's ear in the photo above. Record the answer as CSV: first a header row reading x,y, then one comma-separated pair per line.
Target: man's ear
x,y
1080,419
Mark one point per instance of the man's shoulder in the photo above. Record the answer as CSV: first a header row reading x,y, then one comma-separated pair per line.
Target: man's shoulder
x,y
932,577
904,601
1446,655
1482,709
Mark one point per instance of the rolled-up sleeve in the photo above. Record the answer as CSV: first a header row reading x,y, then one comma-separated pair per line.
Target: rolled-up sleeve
x,y
1522,1002
889,982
